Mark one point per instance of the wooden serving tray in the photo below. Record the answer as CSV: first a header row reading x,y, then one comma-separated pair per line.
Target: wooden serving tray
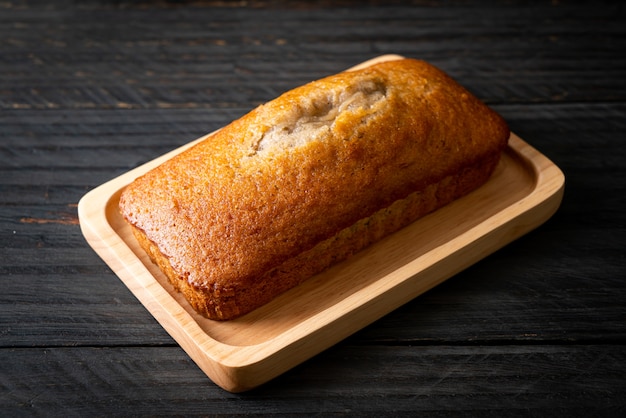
x,y
524,191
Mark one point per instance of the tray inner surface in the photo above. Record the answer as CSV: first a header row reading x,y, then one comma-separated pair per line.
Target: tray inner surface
x,y
513,179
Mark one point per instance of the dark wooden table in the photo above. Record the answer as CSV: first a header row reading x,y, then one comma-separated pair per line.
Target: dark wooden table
x,y
91,89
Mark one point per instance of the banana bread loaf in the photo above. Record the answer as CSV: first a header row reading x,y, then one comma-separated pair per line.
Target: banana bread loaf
x,y
306,180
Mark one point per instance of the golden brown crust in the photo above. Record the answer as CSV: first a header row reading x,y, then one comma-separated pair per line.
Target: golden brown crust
x,y
308,179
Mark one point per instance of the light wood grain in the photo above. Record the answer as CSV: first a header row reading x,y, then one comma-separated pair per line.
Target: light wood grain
x,y
525,191
238,355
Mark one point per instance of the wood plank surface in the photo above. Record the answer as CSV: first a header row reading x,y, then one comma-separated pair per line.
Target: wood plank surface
x,y
573,380
89,90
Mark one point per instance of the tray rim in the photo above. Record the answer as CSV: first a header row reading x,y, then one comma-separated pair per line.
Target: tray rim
x,y
241,367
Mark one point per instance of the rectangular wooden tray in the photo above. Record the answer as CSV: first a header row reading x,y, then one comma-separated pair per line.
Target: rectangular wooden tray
x,y
525,190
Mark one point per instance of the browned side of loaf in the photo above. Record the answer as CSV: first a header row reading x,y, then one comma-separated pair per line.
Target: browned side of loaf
x,y
231,302
308,179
